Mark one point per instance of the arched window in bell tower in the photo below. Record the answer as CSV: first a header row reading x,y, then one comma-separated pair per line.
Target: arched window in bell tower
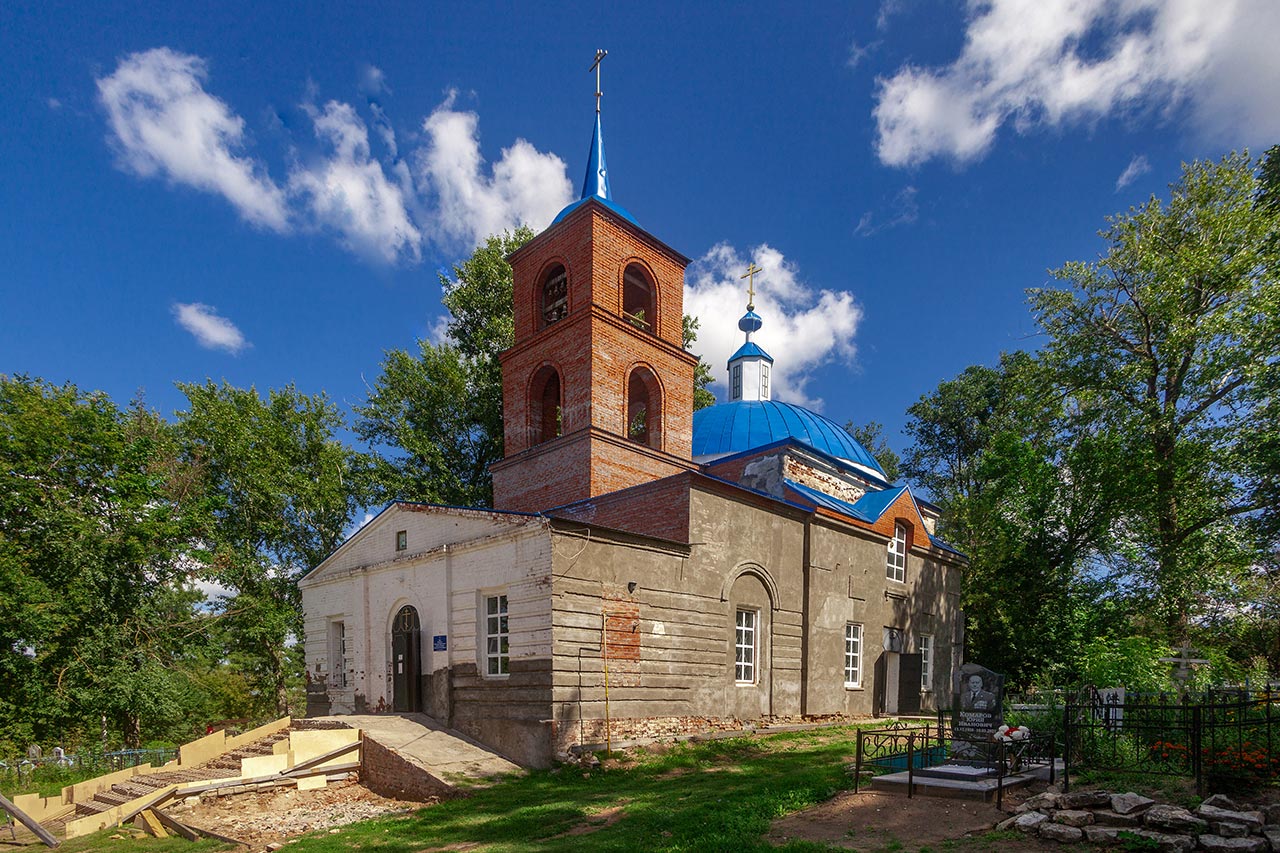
x,y
638,298
555,295
546,414
644,408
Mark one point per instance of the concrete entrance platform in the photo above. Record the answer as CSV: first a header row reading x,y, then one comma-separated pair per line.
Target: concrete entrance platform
x,y
447,755
967,784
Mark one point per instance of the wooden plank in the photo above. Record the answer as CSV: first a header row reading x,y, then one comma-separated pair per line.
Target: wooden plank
x,y
159,798
173,825
26,820
148,821
355,746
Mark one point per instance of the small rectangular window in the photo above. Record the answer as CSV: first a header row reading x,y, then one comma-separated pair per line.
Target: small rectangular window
x,y
338,654
744,648
852,655
402,540
496,636
925,645
737,382
764,381
896,563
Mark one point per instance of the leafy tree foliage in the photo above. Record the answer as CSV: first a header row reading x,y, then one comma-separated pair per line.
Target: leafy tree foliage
x,y
871,436
1123,481
434,417
279,493
94,601
1171,343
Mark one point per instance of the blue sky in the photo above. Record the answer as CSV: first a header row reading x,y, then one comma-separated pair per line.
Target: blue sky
x,y
259,193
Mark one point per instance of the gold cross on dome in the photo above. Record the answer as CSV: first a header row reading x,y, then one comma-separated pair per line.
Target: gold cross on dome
x,y
749,275
595,66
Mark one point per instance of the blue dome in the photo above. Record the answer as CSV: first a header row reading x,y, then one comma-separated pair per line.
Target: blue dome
x,y
750,322
746,424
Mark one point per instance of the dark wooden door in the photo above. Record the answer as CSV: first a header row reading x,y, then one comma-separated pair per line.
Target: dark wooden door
x,y
406,661
910,671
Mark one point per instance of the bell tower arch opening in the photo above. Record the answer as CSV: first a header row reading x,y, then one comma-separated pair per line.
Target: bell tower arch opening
x,y
639,303
554,295
644,407
545,405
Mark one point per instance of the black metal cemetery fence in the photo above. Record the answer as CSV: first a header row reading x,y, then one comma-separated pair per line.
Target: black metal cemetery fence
x,y
907,747
1223,739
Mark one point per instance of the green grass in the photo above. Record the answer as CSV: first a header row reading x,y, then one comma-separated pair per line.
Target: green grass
x,y
720,795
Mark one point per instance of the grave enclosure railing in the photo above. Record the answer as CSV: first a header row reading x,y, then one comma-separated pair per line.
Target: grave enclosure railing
x,y
1223,740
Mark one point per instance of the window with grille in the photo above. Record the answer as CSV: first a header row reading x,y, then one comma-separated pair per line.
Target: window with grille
x,y
736,393
744,647
896,565
852,655
555,296
496,637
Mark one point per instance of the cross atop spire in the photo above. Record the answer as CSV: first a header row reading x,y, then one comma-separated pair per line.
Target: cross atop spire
x,y
596,182
750,276
595,66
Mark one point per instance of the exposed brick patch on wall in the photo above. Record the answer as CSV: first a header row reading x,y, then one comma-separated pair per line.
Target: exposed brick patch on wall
x,y
387,774
622,639
827,482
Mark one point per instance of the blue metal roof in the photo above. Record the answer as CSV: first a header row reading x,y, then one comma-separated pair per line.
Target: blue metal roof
x,y
825,500
596,183
873,504
746,424
750,348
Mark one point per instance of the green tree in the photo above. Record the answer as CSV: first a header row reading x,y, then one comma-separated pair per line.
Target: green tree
x,y
95,599
434,417
1171,343
871,436
280,492
1030,501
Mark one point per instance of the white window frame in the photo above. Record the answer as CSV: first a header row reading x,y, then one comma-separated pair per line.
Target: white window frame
x,y
852,654
924,643
764,380
497,636
402,540
338,653
895,568
746,645
736,381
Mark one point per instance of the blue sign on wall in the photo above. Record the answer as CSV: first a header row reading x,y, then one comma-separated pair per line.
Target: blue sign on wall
x,y
440,643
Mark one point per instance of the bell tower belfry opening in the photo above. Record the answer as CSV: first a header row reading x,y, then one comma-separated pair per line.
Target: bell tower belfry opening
x,y
598,390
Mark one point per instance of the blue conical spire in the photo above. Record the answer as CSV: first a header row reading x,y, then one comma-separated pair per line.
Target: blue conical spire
x,y
596,183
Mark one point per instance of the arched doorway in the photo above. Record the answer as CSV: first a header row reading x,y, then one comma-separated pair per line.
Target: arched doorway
x,y
406,661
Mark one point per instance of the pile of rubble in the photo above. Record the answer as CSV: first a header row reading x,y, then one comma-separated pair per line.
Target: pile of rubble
x,y
1103,818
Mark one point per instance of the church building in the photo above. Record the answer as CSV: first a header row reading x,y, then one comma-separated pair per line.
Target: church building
x,y
646,570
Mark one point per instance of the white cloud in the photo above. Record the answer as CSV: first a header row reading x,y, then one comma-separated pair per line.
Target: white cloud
x,y
350,193
803,329
163,122
525,187
1034,63
211,330
1137,167
54,104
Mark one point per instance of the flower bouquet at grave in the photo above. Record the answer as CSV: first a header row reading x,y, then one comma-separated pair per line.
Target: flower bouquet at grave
x,y
1015,739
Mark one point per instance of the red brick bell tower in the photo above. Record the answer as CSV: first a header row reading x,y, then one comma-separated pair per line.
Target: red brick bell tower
x,y
597,392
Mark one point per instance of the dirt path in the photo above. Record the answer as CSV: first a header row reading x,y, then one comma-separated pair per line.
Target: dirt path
x,y
877,821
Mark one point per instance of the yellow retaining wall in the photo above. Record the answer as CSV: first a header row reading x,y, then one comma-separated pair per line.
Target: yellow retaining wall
x,y
202,750
81,791
305,745
258,733
40,808
92,823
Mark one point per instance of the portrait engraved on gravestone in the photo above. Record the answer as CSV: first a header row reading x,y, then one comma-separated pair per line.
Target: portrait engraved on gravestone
x,y
978,704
